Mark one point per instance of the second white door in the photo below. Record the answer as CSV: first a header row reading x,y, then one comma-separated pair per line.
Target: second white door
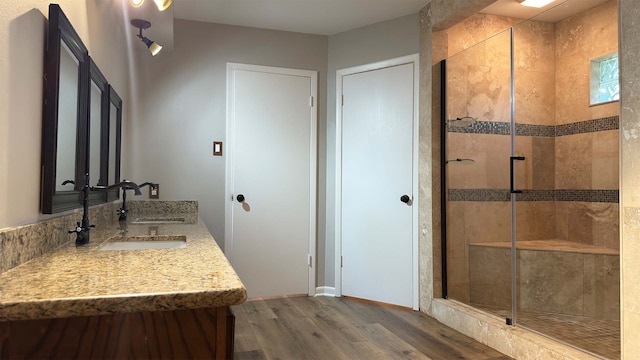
x,y
377,184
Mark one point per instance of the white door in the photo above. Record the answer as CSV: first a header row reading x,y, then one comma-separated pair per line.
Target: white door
x,y
377,185
270,217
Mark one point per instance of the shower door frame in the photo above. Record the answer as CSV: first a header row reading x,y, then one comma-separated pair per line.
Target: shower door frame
x,y
512,320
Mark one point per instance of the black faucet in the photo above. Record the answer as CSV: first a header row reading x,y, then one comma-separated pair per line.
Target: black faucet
x,y
123,211
82,228
153,186
125,185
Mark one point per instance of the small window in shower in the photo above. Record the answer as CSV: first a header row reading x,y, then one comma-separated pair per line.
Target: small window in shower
x,y
604,78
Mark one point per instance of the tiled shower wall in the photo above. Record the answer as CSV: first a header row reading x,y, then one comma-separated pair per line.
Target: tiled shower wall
x,y
572,149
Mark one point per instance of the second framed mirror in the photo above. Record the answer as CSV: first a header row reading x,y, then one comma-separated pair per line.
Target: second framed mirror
x,y
98,131
114,142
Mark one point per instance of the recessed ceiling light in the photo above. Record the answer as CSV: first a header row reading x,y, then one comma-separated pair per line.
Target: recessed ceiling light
x,y
535,3
136,3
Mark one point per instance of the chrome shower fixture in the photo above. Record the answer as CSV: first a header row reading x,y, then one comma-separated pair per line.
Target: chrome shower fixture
x,y
464,161
462,122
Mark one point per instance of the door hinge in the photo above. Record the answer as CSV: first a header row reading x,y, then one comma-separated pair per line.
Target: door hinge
x,y
309,260
311,101
341,261
342,100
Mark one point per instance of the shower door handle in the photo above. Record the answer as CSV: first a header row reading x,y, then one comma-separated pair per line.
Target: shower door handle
x,y
512,174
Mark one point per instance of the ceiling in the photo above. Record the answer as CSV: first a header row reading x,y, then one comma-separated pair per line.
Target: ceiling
x,y
553,12
322,17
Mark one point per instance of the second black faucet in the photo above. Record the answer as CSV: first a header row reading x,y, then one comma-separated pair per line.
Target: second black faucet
x,y
123,211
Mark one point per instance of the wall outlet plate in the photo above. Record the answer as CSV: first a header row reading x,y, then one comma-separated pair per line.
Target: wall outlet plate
x,y
154,193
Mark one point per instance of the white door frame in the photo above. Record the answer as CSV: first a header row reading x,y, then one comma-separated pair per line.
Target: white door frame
x,y
410,59
313,155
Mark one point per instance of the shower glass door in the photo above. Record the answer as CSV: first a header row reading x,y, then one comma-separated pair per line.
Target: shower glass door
x,y
567,227
477,122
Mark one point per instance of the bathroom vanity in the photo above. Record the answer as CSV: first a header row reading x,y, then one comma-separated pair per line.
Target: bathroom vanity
x,y
92,302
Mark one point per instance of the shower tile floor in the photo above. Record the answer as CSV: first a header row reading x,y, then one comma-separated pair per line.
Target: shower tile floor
x,y
600,337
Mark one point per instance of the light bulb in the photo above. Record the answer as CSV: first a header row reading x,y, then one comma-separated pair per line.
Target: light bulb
x,y
163,4
155,48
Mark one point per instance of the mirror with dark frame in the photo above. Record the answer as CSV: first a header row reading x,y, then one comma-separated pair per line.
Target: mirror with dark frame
x,y
114,142
97,143
64,115
82,122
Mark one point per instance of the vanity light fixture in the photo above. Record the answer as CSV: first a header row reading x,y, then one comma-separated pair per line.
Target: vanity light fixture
x,y
161,4
535,3
153,46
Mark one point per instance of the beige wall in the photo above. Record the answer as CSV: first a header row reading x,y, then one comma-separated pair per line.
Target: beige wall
x,y
22,41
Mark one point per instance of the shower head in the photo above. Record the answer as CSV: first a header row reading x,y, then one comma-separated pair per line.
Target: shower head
x,y
463,161
461,122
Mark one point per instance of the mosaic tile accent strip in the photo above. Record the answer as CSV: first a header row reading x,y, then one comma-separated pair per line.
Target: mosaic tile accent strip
x,y
502,128
479,195
604,196
581,127
483,127
597,195
535,130
537,195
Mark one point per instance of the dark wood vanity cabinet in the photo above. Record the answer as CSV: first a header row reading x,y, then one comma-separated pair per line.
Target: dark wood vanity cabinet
x,y
179,334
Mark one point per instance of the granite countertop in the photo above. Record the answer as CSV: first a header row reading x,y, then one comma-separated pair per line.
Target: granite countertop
x,y
87,281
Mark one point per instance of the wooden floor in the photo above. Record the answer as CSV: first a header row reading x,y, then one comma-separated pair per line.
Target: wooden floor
x,y
343,328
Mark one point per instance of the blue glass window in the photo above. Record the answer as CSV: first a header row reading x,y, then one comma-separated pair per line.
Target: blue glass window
x,y
605,79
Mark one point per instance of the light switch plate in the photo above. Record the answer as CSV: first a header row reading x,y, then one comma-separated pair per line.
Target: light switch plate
x,y
217,148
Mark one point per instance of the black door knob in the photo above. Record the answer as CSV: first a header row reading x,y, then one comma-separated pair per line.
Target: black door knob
x,y
405,199
240,198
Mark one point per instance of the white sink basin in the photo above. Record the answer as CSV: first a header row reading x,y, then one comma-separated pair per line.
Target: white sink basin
x,y
145,242
159,220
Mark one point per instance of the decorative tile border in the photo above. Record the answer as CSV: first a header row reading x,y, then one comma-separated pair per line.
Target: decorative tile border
x,y
535,130
483,127
604,196
503,128
597,195
538,195
602,124
479,195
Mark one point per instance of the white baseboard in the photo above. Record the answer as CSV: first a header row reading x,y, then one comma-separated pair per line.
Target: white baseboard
x,y
325,291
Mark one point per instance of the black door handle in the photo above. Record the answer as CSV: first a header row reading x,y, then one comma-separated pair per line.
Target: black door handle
x,y
240,198
512,174
405,199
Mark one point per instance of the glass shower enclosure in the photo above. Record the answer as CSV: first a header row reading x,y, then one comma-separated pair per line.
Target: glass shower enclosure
x,y
531,172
